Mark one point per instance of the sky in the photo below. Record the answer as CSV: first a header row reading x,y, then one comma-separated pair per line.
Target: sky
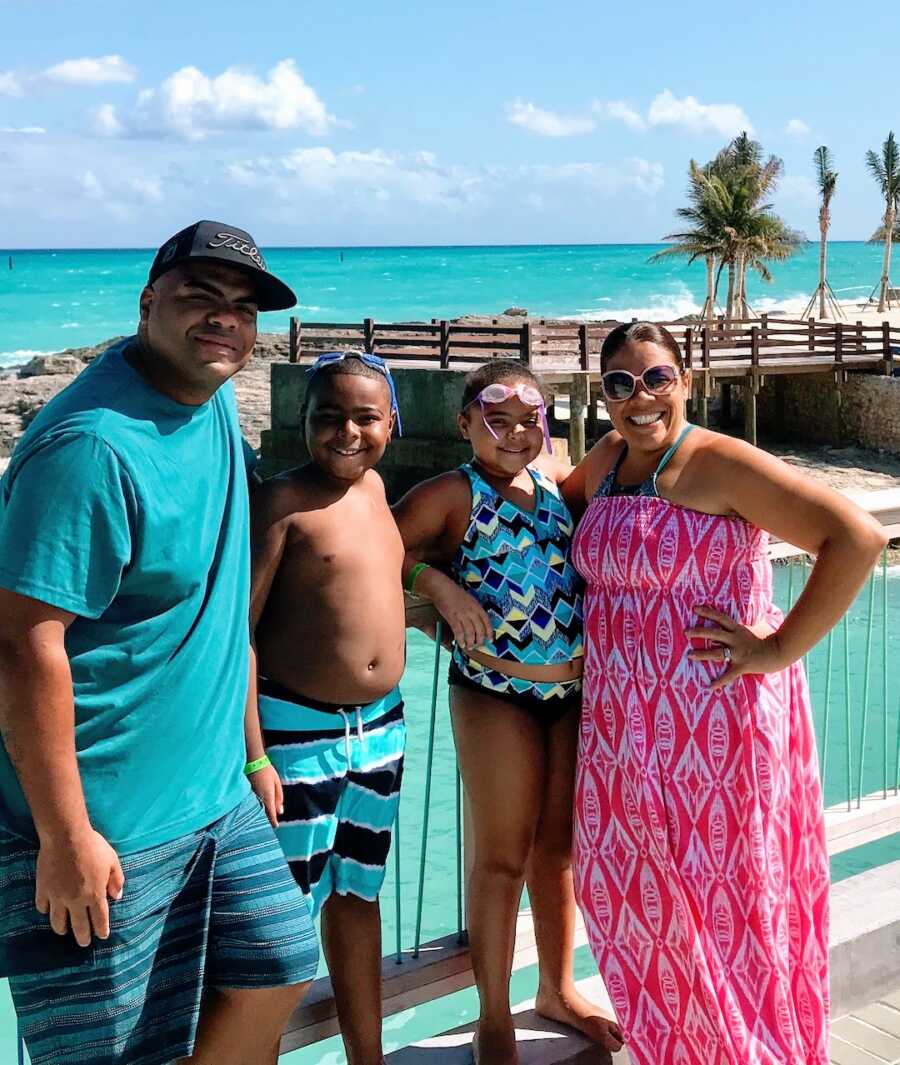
x,y
422,123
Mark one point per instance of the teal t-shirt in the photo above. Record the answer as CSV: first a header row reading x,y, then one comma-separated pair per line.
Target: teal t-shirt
x,y
130,510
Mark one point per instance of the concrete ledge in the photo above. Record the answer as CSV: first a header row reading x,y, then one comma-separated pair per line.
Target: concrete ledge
x,y
865,938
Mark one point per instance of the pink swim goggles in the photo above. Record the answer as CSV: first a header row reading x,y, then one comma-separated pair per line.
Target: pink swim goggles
x,y
527,394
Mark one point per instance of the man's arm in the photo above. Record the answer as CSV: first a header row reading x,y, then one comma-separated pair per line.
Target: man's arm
x,y
77,869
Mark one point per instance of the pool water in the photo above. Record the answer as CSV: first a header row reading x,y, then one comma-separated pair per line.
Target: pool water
x,y
440,901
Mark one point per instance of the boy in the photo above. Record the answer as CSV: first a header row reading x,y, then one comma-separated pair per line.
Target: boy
x,y
328,613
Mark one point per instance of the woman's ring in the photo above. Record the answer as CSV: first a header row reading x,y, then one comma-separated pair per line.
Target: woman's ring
x,y
726,653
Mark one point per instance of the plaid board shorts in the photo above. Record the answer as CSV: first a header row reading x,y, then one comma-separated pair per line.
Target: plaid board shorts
x,y
341,769
214,908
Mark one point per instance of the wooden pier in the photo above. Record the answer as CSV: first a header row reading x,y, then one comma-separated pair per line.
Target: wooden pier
x,y
720,354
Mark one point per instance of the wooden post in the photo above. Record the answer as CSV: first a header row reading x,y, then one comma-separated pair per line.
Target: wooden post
x,y
859,336
445,344
752,387
703,383
369,335
812,334
525,343
726,404
583,354
749,412
592,428
688,347
764,325
839,342
886,348
294,339
578,395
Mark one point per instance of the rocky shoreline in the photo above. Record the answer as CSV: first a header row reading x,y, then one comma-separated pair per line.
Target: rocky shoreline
x,y
25,389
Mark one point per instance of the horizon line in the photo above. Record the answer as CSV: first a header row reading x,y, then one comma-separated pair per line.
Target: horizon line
x,y
395,247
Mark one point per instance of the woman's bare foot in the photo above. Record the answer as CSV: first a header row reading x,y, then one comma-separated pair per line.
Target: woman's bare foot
x,y
495,1045
571,1008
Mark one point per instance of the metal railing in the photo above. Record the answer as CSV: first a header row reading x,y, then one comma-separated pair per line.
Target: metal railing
x,y
856,699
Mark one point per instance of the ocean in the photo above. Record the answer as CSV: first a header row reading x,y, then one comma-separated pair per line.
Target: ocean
x,y
51,300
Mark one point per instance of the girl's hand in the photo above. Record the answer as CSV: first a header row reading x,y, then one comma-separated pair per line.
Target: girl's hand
x,y
267,785
464,614
745,648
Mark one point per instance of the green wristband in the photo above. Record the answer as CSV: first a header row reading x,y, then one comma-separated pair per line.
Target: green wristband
x,y
258,763
413,576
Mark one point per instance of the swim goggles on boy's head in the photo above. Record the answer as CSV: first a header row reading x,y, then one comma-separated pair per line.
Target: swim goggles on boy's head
x,y
328,358
527,394
619,385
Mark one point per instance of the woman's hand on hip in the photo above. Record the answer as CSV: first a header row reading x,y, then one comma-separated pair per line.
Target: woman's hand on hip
x,y
743,648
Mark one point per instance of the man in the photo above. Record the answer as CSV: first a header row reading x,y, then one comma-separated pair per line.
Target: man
x,y
146,911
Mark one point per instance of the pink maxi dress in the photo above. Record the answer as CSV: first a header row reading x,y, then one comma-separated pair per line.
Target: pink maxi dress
x,y
700,861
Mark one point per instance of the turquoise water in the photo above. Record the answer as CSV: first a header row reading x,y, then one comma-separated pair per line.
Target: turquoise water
x,y
57,299
440,897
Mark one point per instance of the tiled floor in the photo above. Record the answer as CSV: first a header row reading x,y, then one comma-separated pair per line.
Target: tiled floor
x,y
868,1036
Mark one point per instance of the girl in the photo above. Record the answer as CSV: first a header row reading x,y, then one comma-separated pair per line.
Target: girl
x,y
700,856
489,544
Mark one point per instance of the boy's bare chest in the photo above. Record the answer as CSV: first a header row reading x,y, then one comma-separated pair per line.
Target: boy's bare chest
x,y
358,540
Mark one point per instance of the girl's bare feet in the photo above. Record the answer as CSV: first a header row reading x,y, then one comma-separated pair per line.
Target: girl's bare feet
x,y
567,1006
495,1045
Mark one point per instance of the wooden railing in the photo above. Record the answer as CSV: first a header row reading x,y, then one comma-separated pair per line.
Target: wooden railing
x,y
573,345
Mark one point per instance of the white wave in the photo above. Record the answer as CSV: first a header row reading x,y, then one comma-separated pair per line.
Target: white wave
x,y
671,306
661,309
23,355
70,325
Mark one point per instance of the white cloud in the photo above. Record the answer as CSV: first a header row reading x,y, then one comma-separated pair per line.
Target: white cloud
x,y
149,189
799,189
725,119
90,185
349,176
365,184
22,129
798,129
105,121
620,111
9,84
190,104
103,70
547,123
597,179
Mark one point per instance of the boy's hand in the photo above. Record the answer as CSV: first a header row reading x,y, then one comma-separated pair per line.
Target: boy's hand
x,y
464,614
266,784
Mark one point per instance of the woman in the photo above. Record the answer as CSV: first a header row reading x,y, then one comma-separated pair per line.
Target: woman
x,y
700,858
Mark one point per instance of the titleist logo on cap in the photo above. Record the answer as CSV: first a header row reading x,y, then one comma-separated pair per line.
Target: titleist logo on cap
x,y
238,244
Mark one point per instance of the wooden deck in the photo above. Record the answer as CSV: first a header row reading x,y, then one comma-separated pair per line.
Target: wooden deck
x,y
567,354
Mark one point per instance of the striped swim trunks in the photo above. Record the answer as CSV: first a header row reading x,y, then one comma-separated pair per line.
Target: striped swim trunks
x,y
215,908
341,768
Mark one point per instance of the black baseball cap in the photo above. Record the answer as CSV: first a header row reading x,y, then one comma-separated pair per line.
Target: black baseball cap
x,y
221,243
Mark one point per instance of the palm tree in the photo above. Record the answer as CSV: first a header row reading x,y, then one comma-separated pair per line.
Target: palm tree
x,y
703,240
730,222
826,178
886,171
758,234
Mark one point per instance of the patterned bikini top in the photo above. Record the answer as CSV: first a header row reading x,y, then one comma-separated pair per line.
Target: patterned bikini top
x,y
610,485
518,565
